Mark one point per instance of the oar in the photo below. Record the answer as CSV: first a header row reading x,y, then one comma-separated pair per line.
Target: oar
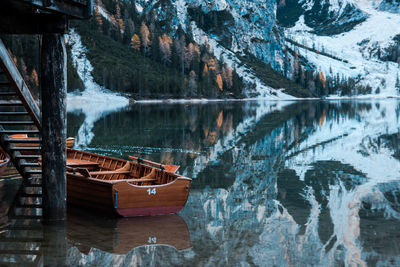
x,y
167,167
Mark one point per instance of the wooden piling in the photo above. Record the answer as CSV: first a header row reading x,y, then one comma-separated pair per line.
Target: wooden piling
x,y
53,95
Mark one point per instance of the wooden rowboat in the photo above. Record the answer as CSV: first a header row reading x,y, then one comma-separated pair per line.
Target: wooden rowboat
x,y
4,160
127,188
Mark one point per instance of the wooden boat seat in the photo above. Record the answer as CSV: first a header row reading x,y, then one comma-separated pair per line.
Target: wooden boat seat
x,y
109,172
134,180
151,175
124,170
79,163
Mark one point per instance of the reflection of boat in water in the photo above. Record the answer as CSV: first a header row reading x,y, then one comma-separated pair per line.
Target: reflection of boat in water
x,y
124,187
121,235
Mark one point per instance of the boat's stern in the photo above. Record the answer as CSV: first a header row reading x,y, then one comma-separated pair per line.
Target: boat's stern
x,y
133,200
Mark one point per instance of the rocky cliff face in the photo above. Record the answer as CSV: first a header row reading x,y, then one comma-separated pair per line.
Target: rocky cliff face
x,y
231,28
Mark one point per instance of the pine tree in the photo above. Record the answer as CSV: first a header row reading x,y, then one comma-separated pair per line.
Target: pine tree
x,y
192,83
227,76
135,42
145,37
181,50
397,83
165,43
189,53
219,82
35,78
120,21
99,19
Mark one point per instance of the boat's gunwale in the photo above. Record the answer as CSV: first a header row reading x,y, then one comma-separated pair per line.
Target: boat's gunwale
x,y
151,186
114,182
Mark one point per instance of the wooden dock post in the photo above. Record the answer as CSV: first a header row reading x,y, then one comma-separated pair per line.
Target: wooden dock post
x,y
53,93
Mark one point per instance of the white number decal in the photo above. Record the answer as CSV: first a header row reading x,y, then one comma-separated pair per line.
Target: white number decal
x,y
151,191
152,240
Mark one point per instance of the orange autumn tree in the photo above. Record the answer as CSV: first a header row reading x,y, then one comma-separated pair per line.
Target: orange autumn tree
x,y
35,78
219,82
322,79
145,36
165,43
99,19
119,20
135,42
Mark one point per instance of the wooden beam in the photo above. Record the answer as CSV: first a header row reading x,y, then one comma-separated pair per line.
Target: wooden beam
x,y
54,92
82,9
27,23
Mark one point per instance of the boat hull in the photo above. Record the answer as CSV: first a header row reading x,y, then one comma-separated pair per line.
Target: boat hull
x,y
125,199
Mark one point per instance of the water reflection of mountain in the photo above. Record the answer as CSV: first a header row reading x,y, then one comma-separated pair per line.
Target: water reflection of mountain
x,y
300,184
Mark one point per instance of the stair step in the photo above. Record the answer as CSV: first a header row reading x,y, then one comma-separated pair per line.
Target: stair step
x,y
19,131
34,186
19,263
16,113
29,164
21,239
20,252
29,206
7,93
24,228
4,84
24,148
10,103
30,195
26,217
27,140
27,156
34,172
17,123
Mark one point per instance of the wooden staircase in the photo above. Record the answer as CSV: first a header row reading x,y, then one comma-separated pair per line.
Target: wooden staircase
x,y
21,239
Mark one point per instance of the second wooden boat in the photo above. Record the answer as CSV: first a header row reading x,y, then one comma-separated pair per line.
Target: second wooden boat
x,y
128,188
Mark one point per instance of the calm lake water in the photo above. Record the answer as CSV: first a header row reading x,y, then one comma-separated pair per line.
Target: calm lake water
x,y
274,184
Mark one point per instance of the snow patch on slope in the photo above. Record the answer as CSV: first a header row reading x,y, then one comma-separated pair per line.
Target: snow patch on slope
x,y
356,47
105,14
95,101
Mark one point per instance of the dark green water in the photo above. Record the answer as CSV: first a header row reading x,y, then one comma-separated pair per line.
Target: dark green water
x,y
274,184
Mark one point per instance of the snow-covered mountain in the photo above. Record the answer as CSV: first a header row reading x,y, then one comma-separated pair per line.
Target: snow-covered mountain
x,y
340,38
356,48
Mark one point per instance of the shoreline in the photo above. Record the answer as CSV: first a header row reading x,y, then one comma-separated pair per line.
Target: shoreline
x,y
206,100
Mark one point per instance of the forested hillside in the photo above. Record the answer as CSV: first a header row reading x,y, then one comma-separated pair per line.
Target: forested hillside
x,y
132,53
